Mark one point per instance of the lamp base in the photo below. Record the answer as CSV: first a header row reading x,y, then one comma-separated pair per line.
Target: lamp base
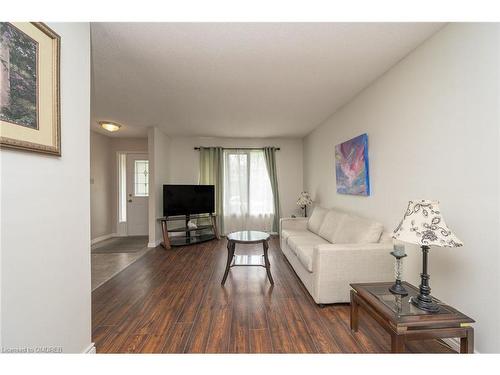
x,y
424,300
398,288
425,303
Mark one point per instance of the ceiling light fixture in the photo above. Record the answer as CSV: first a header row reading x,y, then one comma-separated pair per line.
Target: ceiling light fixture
x,y
110,126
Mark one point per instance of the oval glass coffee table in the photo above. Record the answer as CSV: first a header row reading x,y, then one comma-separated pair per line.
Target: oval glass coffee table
x,y
247,237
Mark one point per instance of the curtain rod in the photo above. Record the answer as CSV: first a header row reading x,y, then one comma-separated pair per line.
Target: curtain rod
x,y
242,148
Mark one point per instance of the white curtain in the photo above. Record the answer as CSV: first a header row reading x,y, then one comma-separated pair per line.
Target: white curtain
x,y
248,198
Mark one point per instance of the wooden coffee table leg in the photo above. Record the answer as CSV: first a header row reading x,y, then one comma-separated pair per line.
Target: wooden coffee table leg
x,y
166,240
230,254
265,245
397,343
467,342
354,312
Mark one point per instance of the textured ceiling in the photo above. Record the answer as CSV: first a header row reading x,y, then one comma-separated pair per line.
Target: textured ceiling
x,y
238,79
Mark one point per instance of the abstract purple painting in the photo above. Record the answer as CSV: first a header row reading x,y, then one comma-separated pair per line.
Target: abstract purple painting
x,y
351,166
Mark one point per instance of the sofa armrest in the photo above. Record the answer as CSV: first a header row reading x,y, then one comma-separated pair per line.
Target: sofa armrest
x,y
337,265
297,223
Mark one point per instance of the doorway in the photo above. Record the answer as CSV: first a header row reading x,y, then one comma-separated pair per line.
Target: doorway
x,y
133,194
137,194
110,256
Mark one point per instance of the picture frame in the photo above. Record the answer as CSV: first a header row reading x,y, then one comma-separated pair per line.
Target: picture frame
x,y
30,103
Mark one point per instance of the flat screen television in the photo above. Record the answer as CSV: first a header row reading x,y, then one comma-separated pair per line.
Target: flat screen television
x,y
188,199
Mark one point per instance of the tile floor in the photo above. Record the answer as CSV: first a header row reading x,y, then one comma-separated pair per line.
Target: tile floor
x,y
112,256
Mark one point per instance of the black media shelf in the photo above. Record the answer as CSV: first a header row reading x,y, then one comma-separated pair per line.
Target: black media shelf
x,y
186,229
183,240
192,235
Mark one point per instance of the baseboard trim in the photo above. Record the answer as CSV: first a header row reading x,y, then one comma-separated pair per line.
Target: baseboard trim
x,y
91,349
154,244
102,238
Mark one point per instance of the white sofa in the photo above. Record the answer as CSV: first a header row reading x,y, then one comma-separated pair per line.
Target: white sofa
x,y
332,249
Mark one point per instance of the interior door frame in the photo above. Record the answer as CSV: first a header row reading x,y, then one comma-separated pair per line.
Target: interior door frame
x,y
121,227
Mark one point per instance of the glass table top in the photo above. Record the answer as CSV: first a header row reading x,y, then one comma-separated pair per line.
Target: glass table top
x,y
248,236
401,306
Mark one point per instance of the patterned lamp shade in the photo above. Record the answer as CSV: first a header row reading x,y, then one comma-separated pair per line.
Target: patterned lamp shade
x,y
424,225
304,199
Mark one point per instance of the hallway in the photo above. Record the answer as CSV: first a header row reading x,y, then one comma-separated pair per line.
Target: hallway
x,y
111,256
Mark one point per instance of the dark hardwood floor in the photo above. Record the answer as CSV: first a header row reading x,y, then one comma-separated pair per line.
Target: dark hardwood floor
x,y
172,302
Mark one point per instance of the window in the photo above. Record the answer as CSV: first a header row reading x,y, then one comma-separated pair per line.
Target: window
x,y
248,198
141,178
122,186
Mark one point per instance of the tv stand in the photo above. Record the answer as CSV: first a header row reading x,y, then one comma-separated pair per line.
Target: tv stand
x,y
202,233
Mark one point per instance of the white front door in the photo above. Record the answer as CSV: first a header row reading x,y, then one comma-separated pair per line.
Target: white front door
x,y
137,194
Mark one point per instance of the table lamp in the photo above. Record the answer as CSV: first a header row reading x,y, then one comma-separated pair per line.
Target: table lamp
x,y
304,201
423,225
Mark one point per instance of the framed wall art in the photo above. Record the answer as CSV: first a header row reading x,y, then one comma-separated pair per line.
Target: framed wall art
x,y
29,87
351,166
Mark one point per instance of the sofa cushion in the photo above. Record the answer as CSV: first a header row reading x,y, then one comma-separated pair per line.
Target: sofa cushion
x,y
316,219
309,240
305,255
330,225
302,236
293,233
354,229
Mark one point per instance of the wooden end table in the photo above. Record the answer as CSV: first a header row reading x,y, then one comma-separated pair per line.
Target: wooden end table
x,y
404,321
247,237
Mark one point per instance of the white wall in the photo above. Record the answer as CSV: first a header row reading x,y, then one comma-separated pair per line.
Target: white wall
x,y
432,124
101,221
45,221
158,147
184,163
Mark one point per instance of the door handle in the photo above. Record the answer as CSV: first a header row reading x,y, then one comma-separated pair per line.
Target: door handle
x,y
130,200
